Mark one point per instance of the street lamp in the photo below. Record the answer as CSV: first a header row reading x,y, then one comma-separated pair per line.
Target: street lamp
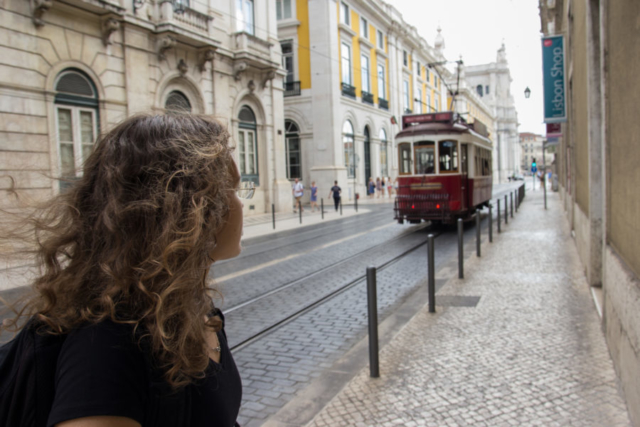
x,y
527,92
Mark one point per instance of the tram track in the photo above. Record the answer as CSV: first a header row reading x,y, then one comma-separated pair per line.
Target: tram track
x,y
327,296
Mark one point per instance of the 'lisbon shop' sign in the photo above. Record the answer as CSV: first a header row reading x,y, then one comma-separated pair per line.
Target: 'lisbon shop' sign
x,y
553,71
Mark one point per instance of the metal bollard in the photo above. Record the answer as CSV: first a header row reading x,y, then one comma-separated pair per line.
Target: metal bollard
x,y
432,274
460,250
300,211
517,197
372,303
506,210
341,206
478,233
498,210
490,224
511,203
273,215
322,208
356,199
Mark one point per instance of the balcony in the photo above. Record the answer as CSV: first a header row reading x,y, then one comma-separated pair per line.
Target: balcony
x,y
367,97
291,89
348,90
186,25
408,111
253,51
383,104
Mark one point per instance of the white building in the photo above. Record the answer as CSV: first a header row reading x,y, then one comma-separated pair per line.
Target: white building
x,y
492,82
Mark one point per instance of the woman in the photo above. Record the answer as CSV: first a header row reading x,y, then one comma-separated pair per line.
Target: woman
x,y
371,188
314,197
389,186
378,187
123,300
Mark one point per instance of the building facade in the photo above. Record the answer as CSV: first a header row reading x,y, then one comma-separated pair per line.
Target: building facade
x,y
597,160
70,70
353,68
492,83
531,145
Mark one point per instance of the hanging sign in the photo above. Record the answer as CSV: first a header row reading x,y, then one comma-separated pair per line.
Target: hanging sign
x,y
553,74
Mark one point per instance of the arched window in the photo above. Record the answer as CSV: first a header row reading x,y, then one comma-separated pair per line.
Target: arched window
x,y
384,170
248,145
479,89
294,155
349,149
76,107
177,102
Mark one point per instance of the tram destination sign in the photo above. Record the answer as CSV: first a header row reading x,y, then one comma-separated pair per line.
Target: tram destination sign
x,y
553,73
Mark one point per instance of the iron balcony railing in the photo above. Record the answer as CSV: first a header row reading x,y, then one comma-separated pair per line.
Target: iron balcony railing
x,y
383,103
291,89
348,90
367,97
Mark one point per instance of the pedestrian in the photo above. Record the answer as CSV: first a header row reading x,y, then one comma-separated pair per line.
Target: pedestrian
x,y
378,187
371,191
314,197
121,314
298,192
335,191
395,186
383,187
389,185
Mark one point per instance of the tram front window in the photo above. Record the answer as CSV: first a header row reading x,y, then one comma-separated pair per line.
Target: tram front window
x,y
425,155
448,156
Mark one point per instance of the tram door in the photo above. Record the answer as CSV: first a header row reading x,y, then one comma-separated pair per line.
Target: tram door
x,y
466,188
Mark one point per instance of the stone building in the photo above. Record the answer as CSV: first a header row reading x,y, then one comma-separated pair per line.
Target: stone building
x,y
492,82
531,148
70,70
598,159
353,68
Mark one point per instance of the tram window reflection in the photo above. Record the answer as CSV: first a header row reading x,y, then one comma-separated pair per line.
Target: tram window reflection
x,y
448,156
405,159
425,155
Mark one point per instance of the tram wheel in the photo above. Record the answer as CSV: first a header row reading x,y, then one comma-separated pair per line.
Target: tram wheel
x,y
400,221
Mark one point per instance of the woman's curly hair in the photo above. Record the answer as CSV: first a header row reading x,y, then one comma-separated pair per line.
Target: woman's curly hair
x,y
130,240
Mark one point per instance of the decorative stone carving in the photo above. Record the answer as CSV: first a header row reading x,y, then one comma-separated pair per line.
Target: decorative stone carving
x,y
204,57
183,67
165,43
39,7
269,75
238,69
109,26
251,86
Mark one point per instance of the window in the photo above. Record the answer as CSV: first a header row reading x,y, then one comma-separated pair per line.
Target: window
x,y
426,72
429,107
384,145
418,69
76,106
364,28
405,58
283,9
404,151
177,102
425,155
486,90
344,13
364,69
448,156
418,108
244,16
435,81
248,145
405,94
437,103
294,157
349,149
479,89
346,63
382,87
380,40
287,60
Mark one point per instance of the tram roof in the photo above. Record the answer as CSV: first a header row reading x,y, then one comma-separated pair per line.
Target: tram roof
x,y
434,129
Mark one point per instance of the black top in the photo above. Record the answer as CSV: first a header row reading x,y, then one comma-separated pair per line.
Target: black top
x,y
336,191
101,370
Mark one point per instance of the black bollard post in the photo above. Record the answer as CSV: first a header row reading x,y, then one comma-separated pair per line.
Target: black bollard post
x,y
506,210
356,199
511,203
273,215
340,206
490,224
517,197
478,233
460,250
432,275
498,210
300,210
322,208
372,300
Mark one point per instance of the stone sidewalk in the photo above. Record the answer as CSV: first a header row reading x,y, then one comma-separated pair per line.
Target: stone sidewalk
x,y
530,352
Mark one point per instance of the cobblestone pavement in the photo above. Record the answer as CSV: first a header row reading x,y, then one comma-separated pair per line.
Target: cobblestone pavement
x,y
531,352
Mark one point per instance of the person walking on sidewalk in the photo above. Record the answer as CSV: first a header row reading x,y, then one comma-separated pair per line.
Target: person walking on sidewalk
x,y
389,186
298,191
120,319
314,197
372,188
335,191
378,187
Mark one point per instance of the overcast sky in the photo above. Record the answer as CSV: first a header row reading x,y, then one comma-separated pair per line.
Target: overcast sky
x,y
475,29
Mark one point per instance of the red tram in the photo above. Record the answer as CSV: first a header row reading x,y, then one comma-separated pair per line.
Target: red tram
x,y
444,168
